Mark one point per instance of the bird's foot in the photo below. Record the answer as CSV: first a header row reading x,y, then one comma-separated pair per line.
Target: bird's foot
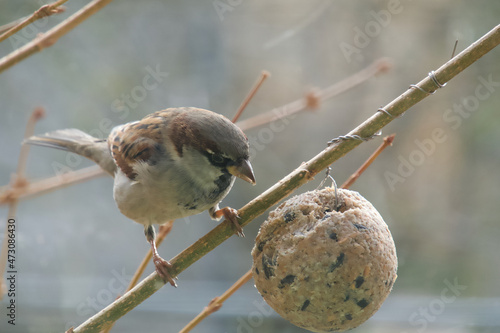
x,y
230,214
162,266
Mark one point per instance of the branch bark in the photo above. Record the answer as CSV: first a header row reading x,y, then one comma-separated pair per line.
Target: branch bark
x,y
291,182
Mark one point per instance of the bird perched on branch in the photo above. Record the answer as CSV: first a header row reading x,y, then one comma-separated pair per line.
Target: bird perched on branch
x,y
171,164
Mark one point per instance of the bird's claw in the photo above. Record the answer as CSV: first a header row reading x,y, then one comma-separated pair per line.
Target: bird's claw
x,y
231,214
162,266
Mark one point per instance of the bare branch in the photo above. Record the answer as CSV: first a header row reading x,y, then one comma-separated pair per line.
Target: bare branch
x,y
50,37
44,11
387,142
216,303
313,99
28,190
263,76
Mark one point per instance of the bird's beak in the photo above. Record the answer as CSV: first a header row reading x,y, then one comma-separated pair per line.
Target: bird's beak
x,y
243,170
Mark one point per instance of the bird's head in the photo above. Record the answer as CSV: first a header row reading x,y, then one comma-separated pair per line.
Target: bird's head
x,y
210,144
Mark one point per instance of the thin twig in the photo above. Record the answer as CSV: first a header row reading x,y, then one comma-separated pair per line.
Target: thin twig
x,y
263,76
313,99
10,193
44,11
17,181
10,25
36,115
216,303
303,174
387,142
50,37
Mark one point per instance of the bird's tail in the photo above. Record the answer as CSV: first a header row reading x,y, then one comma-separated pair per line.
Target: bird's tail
x,y
81,143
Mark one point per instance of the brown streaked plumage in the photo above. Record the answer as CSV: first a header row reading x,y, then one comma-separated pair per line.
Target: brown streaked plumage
x,y
137,141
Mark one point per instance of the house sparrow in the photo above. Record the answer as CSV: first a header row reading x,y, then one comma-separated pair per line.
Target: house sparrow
x,y
171,164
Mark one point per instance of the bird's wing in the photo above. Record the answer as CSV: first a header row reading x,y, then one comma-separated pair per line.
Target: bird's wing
x,y
139,141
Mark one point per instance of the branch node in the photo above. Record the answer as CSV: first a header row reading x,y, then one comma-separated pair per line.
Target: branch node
x,y
383,65
48,10
313,100
38,113
44,43
213,306
389,139
7,197
19,182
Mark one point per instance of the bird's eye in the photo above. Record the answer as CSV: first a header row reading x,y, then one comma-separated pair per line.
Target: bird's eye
x,y
217,159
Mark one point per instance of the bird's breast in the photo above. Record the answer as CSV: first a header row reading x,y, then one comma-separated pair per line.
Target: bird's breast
x,y
159,197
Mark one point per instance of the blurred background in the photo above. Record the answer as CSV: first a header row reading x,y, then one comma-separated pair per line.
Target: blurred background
x,y
439,194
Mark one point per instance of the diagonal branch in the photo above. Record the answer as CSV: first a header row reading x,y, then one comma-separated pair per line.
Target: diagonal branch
x,y
314,98
10,193
50,37
291,182
352,178
217,302
263,76
44,11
